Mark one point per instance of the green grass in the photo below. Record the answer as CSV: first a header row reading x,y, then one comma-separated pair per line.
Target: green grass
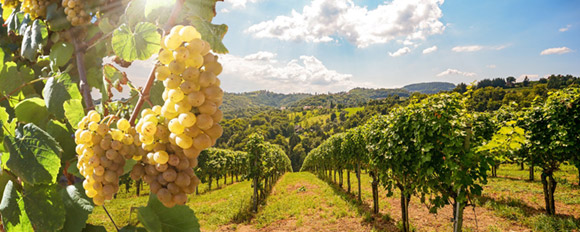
x,y
302,195
214,209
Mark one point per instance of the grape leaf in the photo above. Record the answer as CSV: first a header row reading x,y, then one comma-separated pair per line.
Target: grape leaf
x,y
153,7
44,207
93,228
212,33
64,137
11,78
74,111
135,12
60,54
34,155
155,95
156,217
139,44
14,217
130,228
14,20
32,40
204,9
77,205
55,94
32,110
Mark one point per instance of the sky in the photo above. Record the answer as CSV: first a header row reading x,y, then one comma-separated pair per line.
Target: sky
x,y
322,46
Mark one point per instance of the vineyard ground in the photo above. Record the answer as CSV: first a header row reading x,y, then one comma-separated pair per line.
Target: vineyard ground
x,y
303,202
509,203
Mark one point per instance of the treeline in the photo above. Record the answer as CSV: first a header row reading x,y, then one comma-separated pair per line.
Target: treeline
x,y
439,150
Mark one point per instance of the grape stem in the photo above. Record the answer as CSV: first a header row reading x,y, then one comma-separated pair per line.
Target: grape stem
x,y
106,211
84,84
20,87
144,96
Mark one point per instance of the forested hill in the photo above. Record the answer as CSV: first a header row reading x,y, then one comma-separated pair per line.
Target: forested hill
x,y
430,87
237,102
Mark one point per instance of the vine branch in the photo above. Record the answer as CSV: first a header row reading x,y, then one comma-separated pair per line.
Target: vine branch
x,y
20,87
144,96
84,84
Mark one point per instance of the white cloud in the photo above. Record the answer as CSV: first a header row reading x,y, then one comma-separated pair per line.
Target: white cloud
x,y
475,48
400,52
263,70
563,29
455,72
429,50
531,77
559,51
491,66
236,4
324,19
471,48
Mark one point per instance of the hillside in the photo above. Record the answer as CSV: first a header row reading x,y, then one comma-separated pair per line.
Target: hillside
x,y
238,102
430,87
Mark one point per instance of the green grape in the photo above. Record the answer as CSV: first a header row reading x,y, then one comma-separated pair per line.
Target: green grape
x,y
165,57
123,125
184,141
175,95
176,67
189,33
187,119
162,72
175,126
161,157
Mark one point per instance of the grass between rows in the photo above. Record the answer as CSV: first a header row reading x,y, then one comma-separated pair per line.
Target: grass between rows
x,y
215,208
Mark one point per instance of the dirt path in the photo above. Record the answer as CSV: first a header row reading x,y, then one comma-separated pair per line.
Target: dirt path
x,y
302,202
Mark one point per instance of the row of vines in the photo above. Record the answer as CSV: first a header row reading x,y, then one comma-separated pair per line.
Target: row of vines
x,y
62,152
438,150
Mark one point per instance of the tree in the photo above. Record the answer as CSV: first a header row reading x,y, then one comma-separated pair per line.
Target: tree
x,y
510,81
526,81
554,139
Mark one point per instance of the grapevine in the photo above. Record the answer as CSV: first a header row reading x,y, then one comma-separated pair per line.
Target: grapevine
x,y
70,150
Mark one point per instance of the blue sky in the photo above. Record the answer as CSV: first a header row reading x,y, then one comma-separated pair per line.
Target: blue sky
x,y
336,45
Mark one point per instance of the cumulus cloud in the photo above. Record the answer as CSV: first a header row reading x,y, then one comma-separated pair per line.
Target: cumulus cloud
x,y
563,29
475,48
471,48
559,51
400,52
450,71
531,77
236,4
429,50
491,66
324,20
263,70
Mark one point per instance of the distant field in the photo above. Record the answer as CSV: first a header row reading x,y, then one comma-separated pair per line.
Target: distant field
x,y
313,116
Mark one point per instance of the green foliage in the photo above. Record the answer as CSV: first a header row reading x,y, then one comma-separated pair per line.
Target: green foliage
x,y
137,43
430,87
156,218
34,155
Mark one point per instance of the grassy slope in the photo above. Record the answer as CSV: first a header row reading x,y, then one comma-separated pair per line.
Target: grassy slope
x,y
508,203
213,209
302,201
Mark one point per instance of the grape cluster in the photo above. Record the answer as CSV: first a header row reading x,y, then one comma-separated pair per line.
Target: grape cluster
x,y
8,5
36,8
174,134
75,12
102,152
